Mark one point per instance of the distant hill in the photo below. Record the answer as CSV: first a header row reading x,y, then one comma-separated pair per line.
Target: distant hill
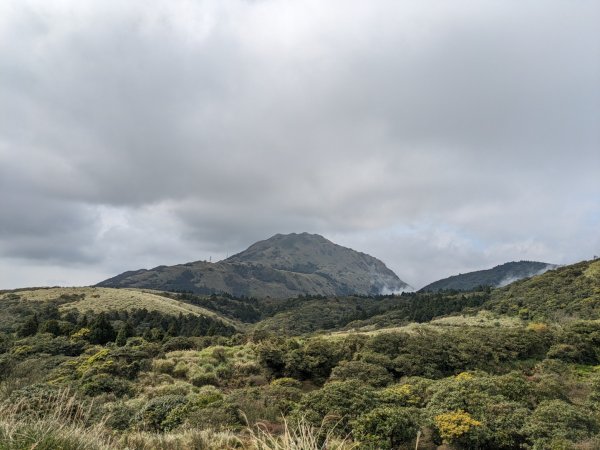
x,y
101,300
567,292
496,277
282,266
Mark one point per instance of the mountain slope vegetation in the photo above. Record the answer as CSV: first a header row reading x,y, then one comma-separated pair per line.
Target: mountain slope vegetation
x,y
569,292
498,276
309,372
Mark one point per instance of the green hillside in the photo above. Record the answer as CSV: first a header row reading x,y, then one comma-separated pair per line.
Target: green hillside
x,y
508,368
94,301
569,292
309,315
98,299
495,277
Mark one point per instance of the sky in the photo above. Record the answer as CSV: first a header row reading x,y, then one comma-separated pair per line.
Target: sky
x,y
440,137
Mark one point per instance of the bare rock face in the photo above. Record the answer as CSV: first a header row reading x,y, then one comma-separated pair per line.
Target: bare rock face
x,y
279,267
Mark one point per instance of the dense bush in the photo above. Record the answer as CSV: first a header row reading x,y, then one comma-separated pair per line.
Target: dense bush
x,y
153,415
387,427
338,401
368,373
556,419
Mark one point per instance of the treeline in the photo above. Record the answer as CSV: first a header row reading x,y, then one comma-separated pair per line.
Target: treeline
x,y
309,315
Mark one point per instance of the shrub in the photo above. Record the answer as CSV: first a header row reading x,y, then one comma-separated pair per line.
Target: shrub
x,y
400,395
338,401
118,415
178,343
556,419
156,410
181,369
204,378
359,370
216,416
456,427
387,427
286,382
104,383
163,366
564,352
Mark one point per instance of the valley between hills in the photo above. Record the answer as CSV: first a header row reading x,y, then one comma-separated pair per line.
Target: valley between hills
x,y
241,357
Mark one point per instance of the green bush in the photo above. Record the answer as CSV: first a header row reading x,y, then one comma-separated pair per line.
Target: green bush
x,y
104,383
153,414
178,343
216,416
556,419
286,382
338,401
118,416
387,427
564,352
204,378
372,374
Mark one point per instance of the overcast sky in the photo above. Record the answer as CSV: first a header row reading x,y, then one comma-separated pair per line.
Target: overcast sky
x,y
438,136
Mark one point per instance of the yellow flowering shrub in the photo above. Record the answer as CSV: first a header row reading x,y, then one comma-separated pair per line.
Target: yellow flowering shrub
x,y
464,376
453,425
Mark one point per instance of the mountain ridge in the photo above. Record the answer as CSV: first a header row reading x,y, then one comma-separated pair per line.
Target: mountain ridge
x,y
498,276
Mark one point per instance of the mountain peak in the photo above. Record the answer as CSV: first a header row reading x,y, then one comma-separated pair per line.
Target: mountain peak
x,y
284,265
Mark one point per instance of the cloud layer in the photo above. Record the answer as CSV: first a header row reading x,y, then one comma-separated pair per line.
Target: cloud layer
x,y
439,137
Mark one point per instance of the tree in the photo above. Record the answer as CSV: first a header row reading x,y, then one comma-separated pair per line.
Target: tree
x,y
126,331
101,331
30,327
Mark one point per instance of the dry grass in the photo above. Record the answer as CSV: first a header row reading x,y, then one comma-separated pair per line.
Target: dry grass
x,y
299,436
65,424
184,440
483,319
62,426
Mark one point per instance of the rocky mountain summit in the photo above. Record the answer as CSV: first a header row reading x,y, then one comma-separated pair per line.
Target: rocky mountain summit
x,y
285,265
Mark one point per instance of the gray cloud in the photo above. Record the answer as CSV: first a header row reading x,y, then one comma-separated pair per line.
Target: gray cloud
x,y
441,138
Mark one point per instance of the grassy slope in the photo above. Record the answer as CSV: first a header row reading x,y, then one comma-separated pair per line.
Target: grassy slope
x,y
483,319
98,299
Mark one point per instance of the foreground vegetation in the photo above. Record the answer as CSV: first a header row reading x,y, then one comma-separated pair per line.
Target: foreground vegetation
x,y
127,378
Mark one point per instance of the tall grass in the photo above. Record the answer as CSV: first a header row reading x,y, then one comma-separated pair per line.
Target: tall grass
x,y
191,439
61,421
61,425
300,435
